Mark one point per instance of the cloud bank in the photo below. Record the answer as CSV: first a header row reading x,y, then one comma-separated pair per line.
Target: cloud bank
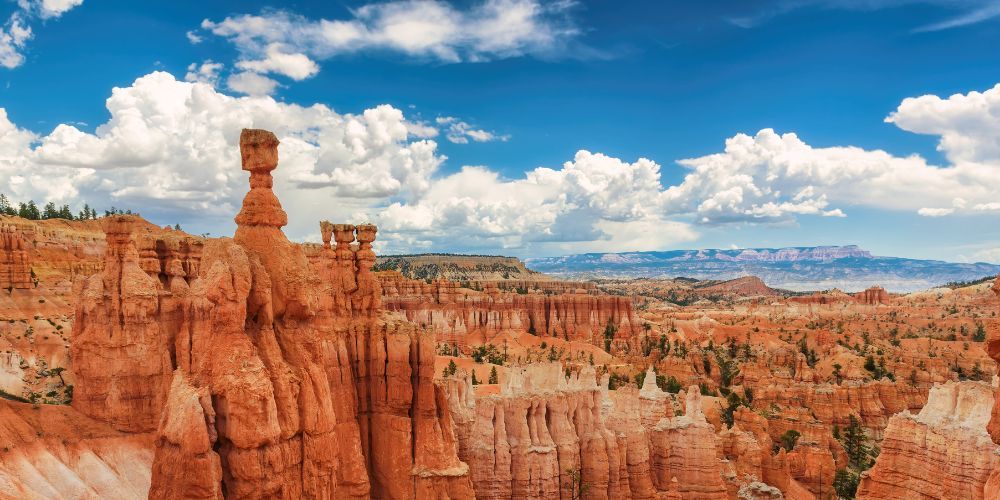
x,y
280,43
170,151
16,32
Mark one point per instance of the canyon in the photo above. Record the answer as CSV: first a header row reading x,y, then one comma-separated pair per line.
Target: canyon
x,y
142,361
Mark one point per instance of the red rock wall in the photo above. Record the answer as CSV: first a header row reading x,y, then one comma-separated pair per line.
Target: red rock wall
x,y
281,378
454,312
15,261
943,452
873,296
873,403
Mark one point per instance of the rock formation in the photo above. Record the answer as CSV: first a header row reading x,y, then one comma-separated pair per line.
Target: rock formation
x,y
544,426
280,376
454,312
15,262
122,357
873,296
51,451
942,452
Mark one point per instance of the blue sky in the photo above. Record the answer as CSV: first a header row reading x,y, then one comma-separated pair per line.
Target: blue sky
x,y
664,81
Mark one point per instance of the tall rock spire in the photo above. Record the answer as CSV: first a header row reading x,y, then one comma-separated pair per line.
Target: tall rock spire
x,y
259,152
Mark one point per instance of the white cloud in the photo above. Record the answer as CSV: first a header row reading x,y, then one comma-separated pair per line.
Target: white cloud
x,y
987,255
276,60
968,124
594,202
194,38
772,176
964,12
206,72
251,83
978,15
459,132
16,32
935,212
170,150
55,8
279,42
13,36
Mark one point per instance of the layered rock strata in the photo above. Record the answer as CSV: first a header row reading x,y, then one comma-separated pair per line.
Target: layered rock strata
x,y
15,261
942,452
454,312
262,373
544,428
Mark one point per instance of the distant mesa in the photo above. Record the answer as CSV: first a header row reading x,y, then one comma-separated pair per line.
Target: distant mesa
x,y
847,268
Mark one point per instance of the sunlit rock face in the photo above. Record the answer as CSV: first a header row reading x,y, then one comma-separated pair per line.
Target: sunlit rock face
x,y
15,261
942,452
263,374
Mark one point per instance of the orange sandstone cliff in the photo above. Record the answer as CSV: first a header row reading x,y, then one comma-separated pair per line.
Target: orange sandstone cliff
x,y
263,374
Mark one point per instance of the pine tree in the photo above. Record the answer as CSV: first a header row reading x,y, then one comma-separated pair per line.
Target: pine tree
x,y
494,378
845,483
855,444
474,380
5,207
50,211
789,439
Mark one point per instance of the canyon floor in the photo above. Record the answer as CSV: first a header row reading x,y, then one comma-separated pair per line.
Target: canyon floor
x,y
139,361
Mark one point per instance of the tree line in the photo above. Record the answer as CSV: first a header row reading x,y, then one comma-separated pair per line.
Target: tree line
x,y
50,210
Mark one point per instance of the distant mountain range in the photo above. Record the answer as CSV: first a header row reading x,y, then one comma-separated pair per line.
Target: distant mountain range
x,y
848,268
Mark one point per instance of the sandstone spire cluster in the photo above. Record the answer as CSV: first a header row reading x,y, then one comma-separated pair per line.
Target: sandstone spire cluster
x,y
263,374
256,367
15,262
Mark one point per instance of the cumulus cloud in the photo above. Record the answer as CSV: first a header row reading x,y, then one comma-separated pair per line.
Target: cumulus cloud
x,y
50,8
251,83
593,202
206,72
772,176
968,124
13,36
278,60
16,31
283,43
170,151
460,132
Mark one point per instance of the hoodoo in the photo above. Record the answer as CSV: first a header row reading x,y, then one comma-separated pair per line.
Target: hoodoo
x,y
263,374
15,262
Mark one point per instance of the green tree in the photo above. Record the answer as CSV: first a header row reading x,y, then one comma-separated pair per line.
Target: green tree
x,y
728,369
577,488
450,369
29,211
640,378
474,381
609,335
671,385
5,207
494,378
845,483
789,438
980,335
733,401
50,211
856,444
